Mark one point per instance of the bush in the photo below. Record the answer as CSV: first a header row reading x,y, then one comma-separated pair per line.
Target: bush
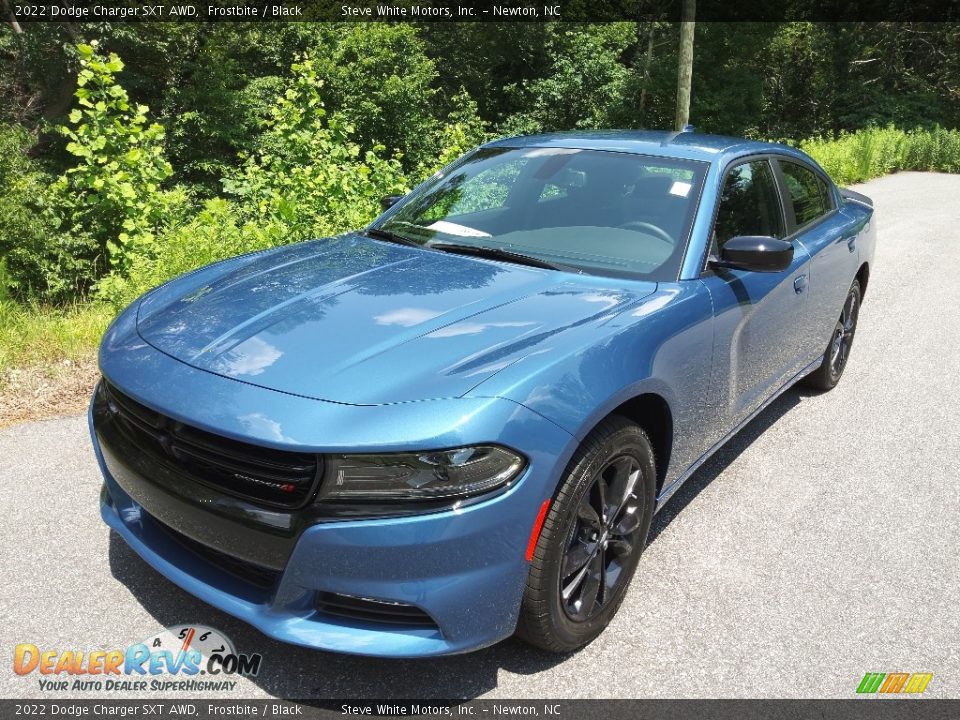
x,y
107,224
859,156
29,263
309,175
215,233
462,131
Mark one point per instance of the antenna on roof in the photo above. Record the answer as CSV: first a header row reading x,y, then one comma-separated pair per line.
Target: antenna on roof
x,y
687,128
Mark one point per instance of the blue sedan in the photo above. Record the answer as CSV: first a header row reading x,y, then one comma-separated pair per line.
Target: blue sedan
x,y
457,424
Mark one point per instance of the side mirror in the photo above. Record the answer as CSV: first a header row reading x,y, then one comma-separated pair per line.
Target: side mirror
x,y
389,201
758,253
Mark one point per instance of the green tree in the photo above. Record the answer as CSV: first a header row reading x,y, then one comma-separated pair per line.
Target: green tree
x,y
377,76
490,60
587,82
108,199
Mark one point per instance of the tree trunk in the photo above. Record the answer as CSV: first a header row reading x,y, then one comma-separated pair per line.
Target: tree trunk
x,y
13,19
685,65
647,62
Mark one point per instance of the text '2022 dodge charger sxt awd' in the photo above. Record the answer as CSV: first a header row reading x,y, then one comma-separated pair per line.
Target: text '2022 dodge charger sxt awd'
x,y
457,423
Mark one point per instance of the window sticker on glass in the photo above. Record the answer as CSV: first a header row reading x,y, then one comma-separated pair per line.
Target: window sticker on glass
x,y
549,152
455,229
681,189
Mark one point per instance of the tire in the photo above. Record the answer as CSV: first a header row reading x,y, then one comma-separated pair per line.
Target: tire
x,y
838,349
606,461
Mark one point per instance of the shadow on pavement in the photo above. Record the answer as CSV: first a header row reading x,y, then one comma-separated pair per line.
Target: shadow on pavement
x,y
715,466
293,672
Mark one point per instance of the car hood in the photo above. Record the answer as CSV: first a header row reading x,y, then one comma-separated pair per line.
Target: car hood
x,y
358,321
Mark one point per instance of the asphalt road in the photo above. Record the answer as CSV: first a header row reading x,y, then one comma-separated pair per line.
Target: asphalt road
x,y
820,544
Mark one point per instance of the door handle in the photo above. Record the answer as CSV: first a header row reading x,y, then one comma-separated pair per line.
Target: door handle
x,y
800,284
852,243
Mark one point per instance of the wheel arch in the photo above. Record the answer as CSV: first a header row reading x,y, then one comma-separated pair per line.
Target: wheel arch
x,y
652,412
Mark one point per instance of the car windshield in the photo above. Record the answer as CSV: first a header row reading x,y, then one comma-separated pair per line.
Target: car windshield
x,y
599,212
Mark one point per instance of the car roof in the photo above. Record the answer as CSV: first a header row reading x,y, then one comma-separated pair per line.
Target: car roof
x,y
688,145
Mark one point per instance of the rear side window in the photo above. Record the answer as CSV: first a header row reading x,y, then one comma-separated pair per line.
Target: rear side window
x,y
749,204
809,194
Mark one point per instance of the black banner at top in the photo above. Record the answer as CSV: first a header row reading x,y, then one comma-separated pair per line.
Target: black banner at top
x,y
133,11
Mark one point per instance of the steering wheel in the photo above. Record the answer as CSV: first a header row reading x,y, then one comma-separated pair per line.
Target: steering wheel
x,y
650,228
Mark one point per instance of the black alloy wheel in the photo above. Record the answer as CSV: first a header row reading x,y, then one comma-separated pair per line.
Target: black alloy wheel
x,y
602,539
837,354
592,538
843,335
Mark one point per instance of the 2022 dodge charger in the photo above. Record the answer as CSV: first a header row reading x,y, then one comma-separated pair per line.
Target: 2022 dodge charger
x,y
457,424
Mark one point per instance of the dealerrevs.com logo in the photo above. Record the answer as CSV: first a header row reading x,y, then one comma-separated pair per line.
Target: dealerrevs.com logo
x,y
184,658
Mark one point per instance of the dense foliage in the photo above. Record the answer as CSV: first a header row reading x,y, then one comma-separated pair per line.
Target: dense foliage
x,y
208,140
859,156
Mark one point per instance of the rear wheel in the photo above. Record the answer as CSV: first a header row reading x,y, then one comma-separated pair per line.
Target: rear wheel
x,y
591,540
838,349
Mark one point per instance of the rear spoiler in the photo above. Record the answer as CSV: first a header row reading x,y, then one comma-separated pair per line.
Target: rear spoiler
x,y
849,194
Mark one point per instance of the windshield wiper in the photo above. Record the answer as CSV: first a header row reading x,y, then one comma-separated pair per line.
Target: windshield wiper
x,y
493,253
390,237
490,253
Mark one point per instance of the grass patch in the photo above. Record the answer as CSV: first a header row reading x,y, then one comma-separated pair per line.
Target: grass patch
x,y
872,152
35,334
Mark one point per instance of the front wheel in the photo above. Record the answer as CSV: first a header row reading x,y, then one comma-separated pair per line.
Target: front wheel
x,y
838,349
591,540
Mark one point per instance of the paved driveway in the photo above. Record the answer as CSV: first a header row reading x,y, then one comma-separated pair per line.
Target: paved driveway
x,y
821,543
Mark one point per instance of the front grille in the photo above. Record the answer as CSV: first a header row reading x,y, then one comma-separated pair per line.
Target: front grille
x,y
262,577
375,611
276,478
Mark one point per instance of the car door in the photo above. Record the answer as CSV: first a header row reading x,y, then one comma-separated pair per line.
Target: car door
x,y
814,221
758,316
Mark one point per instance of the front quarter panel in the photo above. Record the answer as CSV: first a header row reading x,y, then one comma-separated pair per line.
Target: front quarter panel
x,y
660,345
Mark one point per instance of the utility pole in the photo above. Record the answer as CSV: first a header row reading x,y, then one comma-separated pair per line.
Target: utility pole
x,y
685,65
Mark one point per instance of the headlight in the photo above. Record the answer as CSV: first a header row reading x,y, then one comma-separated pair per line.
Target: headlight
x,y
435,475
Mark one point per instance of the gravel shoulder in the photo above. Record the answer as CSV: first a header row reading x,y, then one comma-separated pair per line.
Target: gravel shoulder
x,y
40,392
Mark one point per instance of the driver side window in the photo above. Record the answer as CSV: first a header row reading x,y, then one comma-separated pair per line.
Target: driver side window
x,y
749,204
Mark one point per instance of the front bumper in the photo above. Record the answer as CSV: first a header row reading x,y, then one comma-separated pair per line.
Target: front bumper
x,y
474,606
464,568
